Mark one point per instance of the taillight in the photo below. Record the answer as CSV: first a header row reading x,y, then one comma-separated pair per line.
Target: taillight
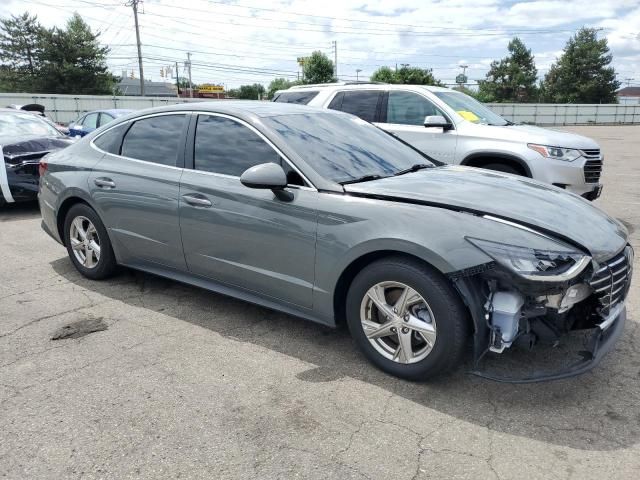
x,y
42,167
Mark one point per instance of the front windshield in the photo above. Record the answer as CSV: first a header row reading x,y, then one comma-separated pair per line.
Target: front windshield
x,y
14,124
470,109
342,147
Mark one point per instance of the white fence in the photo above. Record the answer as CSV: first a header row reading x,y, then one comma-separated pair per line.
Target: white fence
x,y
65,108
568,114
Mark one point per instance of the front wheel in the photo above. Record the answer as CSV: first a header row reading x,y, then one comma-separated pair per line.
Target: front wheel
x,y
406,318
87,243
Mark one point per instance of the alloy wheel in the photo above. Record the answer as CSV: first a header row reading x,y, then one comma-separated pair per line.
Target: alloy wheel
x,y
85,242
398,322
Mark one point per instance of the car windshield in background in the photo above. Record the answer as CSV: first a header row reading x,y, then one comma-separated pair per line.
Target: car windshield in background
x,y
342,147
12,124
471,109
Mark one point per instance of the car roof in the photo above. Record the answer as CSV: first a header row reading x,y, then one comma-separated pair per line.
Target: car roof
x,y
364,86
238,108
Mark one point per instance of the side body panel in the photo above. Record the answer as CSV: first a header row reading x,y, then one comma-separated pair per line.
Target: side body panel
x,y
250,238
141,210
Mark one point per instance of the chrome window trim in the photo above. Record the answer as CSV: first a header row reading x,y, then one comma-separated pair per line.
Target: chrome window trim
x,y
265,139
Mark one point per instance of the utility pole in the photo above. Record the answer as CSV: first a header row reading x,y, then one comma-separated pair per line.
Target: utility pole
x,y
134,4
335,58
188,64
628,80
178,78
358,70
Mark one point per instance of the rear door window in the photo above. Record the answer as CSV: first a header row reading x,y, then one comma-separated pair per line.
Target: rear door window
x,y
301,98
155,139
363,104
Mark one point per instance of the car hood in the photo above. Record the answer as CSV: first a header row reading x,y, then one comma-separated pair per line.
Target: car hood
x,y
31,146
510,197
542,136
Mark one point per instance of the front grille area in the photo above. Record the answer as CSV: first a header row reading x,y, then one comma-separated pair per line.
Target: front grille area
x,y
611,281
593,166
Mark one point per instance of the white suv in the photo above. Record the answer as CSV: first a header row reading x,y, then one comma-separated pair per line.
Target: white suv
x,y
454,128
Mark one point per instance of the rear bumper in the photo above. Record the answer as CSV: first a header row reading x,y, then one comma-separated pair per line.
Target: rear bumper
x,y
600,343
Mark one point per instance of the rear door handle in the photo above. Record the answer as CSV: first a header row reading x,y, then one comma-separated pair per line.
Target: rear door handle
x,y
197,201
105,182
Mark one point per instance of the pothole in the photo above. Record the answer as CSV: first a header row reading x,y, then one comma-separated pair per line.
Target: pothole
x,y
80,328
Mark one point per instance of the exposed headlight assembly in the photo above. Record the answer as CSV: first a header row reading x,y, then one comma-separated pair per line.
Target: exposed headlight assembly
x,y
533,263
556,153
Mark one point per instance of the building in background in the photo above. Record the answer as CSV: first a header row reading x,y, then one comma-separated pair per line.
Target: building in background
x,y
129,86
206,90
629,96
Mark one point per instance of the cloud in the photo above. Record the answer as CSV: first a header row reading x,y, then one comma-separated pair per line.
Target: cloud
x,y
245,41
395,12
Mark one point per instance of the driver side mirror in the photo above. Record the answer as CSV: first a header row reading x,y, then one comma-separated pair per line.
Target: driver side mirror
x,y
431,121
266,176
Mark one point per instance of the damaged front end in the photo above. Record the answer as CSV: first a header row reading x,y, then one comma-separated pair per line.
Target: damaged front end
x,y
528,299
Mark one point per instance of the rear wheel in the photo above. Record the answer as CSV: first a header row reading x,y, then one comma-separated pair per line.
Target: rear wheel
x,y
406,318
501,167
87,243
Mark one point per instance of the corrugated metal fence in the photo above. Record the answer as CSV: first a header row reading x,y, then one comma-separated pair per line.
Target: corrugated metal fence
x,y
65,108
568,114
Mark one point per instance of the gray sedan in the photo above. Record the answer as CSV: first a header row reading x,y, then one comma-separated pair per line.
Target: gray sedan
x,y
324,216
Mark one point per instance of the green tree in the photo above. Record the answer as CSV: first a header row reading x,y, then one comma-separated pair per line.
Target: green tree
x,y
384,75
318,69
279,84
73,61
407,75
249,92
583,73
21,42
512,79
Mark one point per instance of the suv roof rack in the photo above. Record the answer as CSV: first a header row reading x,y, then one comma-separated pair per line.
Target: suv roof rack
x,y
317,85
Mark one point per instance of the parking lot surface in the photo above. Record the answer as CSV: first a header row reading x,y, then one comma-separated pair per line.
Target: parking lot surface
x,y
177,382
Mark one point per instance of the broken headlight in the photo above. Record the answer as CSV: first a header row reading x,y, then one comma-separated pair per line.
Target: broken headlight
x,y
533,263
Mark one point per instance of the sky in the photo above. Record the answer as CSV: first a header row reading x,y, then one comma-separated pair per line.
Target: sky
x,y
236,42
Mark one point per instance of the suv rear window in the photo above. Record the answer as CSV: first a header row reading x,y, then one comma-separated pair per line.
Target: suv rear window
x,y
301,98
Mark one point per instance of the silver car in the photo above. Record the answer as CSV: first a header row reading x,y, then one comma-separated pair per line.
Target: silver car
x,y
454,128
324,216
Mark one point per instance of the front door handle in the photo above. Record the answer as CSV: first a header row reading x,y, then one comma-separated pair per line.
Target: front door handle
x,y
197,201
105,182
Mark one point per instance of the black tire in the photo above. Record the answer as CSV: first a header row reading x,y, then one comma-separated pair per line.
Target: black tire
x,y
501,167
106,264
451,316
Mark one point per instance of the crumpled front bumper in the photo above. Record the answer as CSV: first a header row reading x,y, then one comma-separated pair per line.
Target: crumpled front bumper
x,y
600,343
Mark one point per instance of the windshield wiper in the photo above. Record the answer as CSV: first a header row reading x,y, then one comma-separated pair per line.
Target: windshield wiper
x,y
413,168
364,178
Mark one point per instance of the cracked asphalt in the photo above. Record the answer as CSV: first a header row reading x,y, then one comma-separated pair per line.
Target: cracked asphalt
x,y
184,383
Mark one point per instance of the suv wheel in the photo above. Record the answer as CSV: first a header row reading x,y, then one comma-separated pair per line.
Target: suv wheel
x,y
406,318
87,243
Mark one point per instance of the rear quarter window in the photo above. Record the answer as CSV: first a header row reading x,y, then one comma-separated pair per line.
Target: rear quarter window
x,y
111,140
301,98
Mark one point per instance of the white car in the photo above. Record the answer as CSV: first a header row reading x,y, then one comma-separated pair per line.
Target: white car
x,y
452,127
